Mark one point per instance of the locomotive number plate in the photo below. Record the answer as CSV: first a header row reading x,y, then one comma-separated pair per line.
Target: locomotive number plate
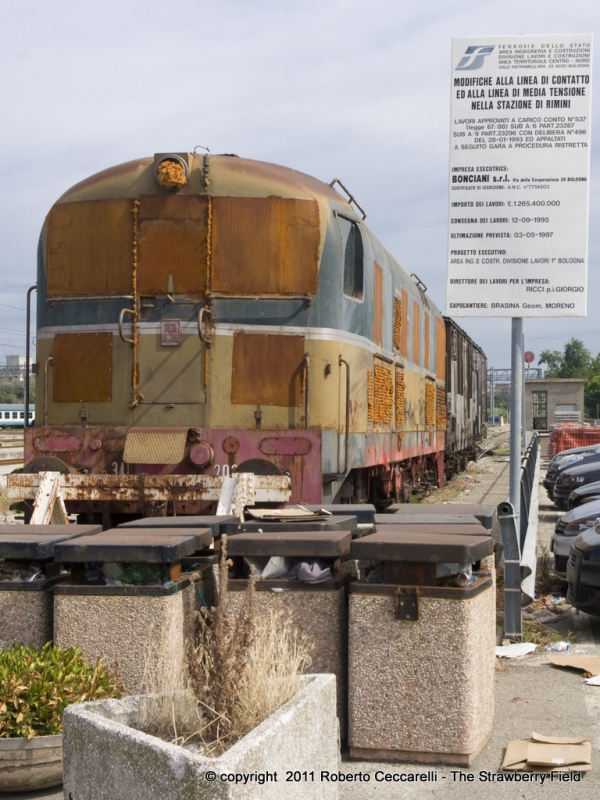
x,y
170,332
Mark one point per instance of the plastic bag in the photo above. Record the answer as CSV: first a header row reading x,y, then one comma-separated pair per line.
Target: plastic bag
x,y
277,567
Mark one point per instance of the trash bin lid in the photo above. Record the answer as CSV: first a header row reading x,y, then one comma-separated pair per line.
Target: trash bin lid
x,y
138,546
332,524
485,514
364,512
36,542
307,544
464,520
51,530
204,521
398,543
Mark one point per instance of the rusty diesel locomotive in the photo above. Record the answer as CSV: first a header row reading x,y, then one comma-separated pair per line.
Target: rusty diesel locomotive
x,y
200,314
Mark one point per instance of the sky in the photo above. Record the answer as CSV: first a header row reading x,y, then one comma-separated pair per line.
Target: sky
x,y
333,88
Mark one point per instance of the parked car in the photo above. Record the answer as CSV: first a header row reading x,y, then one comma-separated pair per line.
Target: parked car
x,y
583,572
567,528
588,493
573,477
566,459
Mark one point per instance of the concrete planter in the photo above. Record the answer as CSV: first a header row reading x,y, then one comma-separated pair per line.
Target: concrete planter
x,y
105,758
30,764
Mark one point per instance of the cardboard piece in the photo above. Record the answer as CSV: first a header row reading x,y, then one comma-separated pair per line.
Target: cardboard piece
x,y
589,664
549,754
289,514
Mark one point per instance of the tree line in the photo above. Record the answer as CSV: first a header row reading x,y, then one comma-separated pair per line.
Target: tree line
x,y
14,391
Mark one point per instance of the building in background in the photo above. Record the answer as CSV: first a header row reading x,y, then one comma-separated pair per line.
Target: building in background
x,y
553,401
14,368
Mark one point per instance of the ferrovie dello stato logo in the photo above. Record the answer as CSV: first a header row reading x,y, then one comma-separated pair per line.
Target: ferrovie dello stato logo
x,y
474,56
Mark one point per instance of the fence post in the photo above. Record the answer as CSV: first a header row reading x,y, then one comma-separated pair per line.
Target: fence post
x,y
513,628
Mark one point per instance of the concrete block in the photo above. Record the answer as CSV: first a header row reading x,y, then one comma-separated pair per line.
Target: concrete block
x,y
26,616
141,637
105,758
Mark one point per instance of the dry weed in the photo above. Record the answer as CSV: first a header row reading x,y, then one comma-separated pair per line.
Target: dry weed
x,y
278,657
240,669
544,579
168,707
5,503
538,633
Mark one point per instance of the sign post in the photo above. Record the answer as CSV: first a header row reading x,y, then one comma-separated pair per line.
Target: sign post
x,y
519,178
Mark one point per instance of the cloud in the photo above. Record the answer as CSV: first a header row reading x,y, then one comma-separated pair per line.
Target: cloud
x,y
331,88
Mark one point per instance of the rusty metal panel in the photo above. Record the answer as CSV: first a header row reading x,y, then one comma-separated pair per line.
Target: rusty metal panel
x,y
150,488
377,304
90,248
397,333
264,245
155,446
400,388
383,393
82,367
267,369
285,446
404,348
173,241
427,340
440,350
416,327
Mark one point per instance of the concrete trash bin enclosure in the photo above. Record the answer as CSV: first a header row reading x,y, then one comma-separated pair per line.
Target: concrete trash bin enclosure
x,y
421,655
26,605
319,609
204,562
140,630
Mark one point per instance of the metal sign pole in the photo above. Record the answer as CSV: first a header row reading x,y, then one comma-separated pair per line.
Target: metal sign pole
x,y
516,401
523,405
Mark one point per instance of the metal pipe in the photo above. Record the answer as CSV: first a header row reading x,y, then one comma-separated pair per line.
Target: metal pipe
x,y
27,348
347,440
47,362
523,403
306,380
516,398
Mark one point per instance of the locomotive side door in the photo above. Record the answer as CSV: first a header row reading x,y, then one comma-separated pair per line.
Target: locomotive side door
x,y
172,236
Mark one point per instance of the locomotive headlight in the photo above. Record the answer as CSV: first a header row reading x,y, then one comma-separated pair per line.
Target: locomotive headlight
x,y
171,171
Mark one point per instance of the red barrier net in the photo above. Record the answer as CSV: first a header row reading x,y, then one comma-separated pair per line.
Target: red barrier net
x,y
567,436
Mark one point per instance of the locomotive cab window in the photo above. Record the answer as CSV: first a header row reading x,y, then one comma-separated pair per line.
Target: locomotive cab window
x,y
353,257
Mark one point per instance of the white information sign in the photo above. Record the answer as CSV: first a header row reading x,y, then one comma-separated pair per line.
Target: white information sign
x,y
519,176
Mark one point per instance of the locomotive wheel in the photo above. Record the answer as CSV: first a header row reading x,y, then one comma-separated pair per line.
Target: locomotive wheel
x,y
259,466
47,464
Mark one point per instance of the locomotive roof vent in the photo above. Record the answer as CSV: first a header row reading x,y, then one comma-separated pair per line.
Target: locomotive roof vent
x,y
171,170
